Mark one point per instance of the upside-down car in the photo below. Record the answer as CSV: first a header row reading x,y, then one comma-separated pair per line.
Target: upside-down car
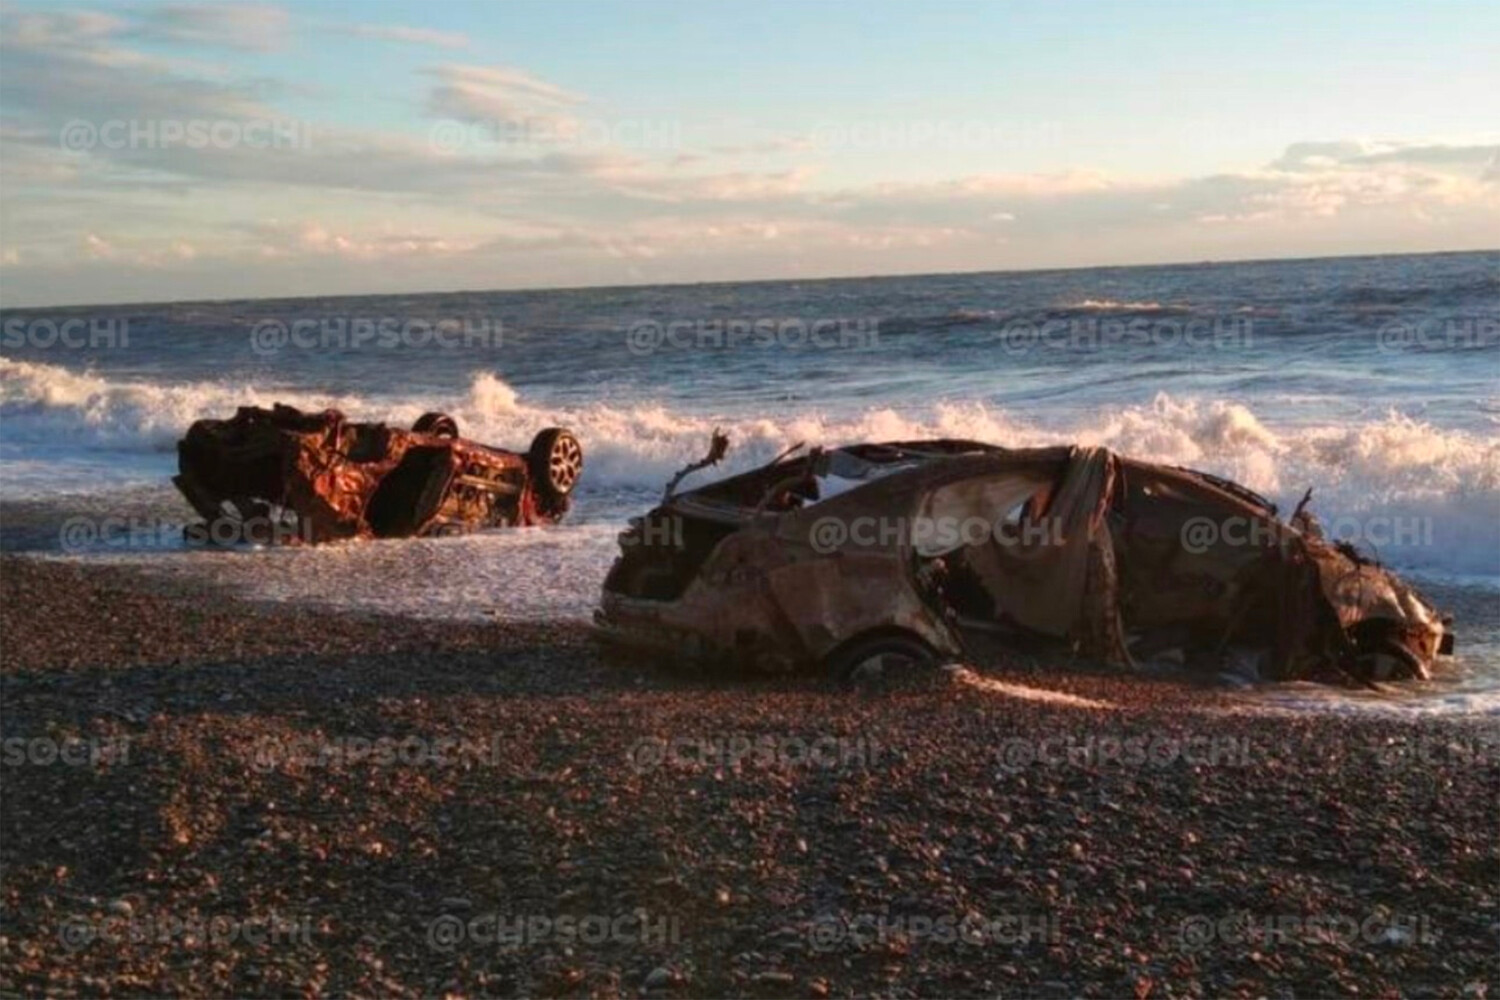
x,y
280,474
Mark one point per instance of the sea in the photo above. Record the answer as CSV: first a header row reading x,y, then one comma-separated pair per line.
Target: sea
x,y
1372,381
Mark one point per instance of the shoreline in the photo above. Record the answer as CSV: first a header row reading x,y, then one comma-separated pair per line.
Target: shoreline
x,y
803,840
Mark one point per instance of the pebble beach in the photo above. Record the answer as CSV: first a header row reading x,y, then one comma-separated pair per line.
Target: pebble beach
x,y
207,797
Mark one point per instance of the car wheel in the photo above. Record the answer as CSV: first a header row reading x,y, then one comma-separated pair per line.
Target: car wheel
x,y
556,462
883,662
439,424
1390,661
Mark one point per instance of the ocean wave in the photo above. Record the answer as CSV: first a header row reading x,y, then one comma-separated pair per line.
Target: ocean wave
x,y
1447,481
1454,293
962,319
1113,305
957,319
49,405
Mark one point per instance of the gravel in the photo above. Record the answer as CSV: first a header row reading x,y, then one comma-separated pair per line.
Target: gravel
x,y
266,802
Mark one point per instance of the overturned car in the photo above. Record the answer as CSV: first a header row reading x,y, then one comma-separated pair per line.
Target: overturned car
x,y
281,475
874,557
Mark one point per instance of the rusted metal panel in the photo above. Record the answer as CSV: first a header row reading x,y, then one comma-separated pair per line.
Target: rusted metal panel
x,y
282,475
1111,571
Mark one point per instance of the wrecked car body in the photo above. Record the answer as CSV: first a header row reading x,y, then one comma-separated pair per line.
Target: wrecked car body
x,y
877,555
284,475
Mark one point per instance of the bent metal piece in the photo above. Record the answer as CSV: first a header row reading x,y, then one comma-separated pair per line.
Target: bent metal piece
x,y
283,475
804,560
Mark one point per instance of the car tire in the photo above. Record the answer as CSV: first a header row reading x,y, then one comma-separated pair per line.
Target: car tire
x,y
884,661
1390,661
555,460
439,424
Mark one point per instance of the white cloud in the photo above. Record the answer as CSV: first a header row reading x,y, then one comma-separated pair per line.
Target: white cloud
x,y
61,67
313,238
410,35
517,107
97,248
561,213
37,29
779,144
494,93
233,25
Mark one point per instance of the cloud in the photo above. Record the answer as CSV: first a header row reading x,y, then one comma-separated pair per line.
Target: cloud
x,y
69,68
545,207
780,144
37,29
644,182
494,93
236,25
516,107
409,35
97,248
1309,182
1357,153
74,66
313,238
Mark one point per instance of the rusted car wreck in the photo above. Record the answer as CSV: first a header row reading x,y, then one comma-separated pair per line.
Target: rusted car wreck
x,y
878,557
283,475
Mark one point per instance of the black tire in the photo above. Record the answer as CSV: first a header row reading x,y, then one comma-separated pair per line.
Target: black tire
x,y
884,661
556,461
439,424
1390,661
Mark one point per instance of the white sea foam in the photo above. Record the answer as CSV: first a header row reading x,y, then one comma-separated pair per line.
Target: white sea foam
x,y
63,430
525,574
1114,305
1432,492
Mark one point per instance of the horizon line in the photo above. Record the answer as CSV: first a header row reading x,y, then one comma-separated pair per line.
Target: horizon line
x,y
1219,262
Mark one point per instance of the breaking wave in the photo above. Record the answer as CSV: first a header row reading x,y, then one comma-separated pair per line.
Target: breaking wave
x,y
49,405
1112,305
1439,487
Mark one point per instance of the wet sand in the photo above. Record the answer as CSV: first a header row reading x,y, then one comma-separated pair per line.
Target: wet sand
x,y
262,801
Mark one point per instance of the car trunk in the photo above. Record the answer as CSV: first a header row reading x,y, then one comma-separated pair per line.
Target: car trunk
x,y
661,553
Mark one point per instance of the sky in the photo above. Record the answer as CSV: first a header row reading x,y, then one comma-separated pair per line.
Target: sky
x,y
168,151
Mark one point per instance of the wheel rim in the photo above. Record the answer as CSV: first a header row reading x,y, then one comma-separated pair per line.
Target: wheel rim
x,y
565,463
